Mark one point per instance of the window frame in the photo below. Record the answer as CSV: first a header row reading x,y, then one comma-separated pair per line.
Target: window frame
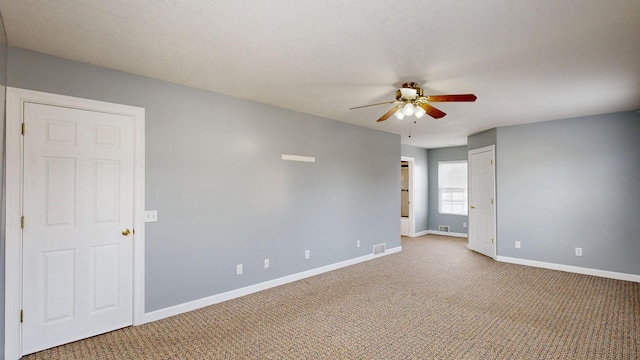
x,y
465,193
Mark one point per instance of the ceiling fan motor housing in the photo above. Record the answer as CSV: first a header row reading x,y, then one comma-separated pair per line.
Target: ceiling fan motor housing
x,y
409,92
410,85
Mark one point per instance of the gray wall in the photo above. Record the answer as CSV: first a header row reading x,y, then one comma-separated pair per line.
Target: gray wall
x,y
3,82
571,183
420,186
455,222
224,196
482,139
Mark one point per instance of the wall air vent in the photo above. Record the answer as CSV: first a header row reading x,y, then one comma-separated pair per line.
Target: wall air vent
x,y
379,249
444,228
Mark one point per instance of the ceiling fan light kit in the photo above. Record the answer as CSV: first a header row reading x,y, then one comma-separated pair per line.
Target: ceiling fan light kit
x,y
419,112
409,109
410,100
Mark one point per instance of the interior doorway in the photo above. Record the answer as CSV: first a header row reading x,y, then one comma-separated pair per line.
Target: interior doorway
x,y
407,223
59,121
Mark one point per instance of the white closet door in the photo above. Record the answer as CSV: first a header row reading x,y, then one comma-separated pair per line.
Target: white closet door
x,y
77,237
482,218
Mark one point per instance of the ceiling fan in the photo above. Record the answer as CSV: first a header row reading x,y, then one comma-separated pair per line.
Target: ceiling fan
x,y
410,100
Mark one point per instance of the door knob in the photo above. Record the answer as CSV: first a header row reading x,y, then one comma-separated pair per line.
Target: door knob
x,y
473,207
126,232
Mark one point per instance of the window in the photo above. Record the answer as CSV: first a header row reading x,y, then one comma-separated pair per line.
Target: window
x,y
453,197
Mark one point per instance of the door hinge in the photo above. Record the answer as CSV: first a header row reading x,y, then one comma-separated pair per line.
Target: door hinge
x,y
492,240
21,315
491,161
22,222
23,129
491,201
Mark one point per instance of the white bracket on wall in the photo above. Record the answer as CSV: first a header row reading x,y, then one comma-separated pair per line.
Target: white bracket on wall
x,y
298,158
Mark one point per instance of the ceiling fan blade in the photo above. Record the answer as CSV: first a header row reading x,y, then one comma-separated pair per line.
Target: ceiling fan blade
x,y
431,111
382,103
389,113
459,97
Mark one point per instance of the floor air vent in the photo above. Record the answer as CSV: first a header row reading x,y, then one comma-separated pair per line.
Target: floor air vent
x,y
379,249
444,228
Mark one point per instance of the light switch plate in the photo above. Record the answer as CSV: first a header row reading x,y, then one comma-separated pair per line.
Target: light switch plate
x,y
151,216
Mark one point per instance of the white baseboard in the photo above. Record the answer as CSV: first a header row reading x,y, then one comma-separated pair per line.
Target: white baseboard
x,y
420,233
572,269
215,299
434,232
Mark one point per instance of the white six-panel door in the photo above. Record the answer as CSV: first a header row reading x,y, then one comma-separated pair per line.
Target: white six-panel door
x,y
482,228
78,207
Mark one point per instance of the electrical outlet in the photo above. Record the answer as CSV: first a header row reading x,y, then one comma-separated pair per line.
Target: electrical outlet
x,y
464,224
239,269
266,263
578,251
517,244
358,243
307,254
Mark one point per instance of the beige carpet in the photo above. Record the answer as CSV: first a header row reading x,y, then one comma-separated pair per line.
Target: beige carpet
x,y
434,300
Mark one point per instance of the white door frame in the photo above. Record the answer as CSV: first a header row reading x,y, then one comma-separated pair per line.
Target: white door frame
x,y
13,194
491,148
412,227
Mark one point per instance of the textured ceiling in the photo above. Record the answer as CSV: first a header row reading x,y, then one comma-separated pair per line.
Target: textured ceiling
x,y
526,61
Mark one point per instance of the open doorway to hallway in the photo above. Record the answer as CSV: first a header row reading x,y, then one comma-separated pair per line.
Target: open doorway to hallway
x,y
406,195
